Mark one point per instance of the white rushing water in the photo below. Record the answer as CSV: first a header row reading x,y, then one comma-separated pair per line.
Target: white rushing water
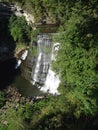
x,y
39,72
55,49
24,55
51,84
37,68
42,74
18,64
22,58
52,81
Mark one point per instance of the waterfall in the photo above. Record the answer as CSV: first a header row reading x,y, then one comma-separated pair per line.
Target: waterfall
x,y
44,47
43,75
24,55
22,58
37,68
52,81
18,64
55,48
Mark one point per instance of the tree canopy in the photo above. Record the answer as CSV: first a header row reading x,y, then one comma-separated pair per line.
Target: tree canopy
x,y
77,65
77,58
19,29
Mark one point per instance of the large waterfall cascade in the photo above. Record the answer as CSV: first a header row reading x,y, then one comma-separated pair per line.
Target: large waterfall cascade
x,y
43,74
44,47
52,81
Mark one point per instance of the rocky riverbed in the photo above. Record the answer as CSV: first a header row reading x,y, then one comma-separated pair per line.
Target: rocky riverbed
x,y
13,99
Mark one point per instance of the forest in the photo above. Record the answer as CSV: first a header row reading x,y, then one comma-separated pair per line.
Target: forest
x,y
76,63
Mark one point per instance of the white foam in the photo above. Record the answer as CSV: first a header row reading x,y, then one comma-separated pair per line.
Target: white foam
x,y
18,64
24,55
36,73
52,83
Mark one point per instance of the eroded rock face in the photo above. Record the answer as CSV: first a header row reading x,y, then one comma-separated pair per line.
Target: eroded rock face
x,y
13,99
7,45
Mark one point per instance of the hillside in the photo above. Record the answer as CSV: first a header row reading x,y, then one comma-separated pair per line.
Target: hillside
x,y
76,63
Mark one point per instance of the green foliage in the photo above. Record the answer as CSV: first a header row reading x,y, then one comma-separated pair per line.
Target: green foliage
x,y
28,111
20,46
11,120
19,29
33,50
46,49
34,34
77,65
76,60
1,99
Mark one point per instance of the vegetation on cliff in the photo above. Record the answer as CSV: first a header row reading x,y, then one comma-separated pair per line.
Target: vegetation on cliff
x,y
19,29
77,107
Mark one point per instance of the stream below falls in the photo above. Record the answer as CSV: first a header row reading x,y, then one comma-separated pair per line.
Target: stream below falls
x,y
34,76
37,76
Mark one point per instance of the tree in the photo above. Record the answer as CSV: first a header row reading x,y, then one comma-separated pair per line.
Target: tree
x,y
11,120
77,59
1,99
19,29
